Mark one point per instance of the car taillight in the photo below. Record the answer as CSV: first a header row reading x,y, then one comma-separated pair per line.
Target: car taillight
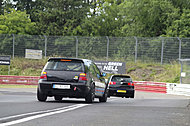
x,y
112,83
43,75
82,77
131,84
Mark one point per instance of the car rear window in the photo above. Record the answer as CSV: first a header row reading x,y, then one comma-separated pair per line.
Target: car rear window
x,y
65,65
121,78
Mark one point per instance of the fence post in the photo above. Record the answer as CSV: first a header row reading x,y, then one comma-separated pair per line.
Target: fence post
x,y
77,44
136,47
162,51
181,71
13,45
45,50
107,47
179,47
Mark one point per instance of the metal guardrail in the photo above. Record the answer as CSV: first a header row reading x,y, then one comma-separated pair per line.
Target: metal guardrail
x,y
157,87
20,80
147,86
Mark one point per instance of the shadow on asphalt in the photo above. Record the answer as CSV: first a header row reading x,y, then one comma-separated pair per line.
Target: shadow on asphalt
x,y
72,101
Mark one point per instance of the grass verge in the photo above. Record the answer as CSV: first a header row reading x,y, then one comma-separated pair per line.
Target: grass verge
x,y
139,71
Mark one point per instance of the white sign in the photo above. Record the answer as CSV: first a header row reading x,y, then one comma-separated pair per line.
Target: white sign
x,y
33,54
183,74
5,60
111,66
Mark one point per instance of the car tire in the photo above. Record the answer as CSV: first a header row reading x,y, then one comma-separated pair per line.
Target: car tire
x,y
40,96
90,97
58,98
132,96
104,98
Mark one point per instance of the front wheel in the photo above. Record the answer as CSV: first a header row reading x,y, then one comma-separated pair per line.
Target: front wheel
x,y
40,96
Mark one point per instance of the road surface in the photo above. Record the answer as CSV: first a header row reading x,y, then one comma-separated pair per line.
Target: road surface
x,y
19,107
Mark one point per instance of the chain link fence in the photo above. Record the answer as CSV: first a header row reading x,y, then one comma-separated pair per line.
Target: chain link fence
x,y
185,71
156,49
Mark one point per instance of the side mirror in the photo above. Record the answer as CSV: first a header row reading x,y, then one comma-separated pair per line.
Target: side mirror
x,y
103,74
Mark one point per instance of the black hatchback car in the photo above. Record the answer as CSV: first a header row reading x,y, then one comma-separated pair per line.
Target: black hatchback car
x,y
121,86
73,78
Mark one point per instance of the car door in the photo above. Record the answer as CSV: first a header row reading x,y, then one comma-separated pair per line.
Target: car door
x,y
99,81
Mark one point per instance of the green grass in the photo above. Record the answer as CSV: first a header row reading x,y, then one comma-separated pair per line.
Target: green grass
x,y
154,72
139,71
24,67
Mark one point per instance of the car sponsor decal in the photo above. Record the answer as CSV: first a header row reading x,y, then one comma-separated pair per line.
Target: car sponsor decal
x,y
99,90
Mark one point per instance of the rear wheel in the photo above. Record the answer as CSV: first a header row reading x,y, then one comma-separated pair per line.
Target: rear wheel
x,y
40,96
132,96
90,97
104,98
58,98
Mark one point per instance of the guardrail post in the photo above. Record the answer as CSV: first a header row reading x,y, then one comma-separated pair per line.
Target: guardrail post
x,y
77,42
162,51
13,45
45,50
107,47
179,47
181,71
136,47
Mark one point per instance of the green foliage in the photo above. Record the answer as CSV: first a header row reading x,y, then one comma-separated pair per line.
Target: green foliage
x,y
141,18
25,5
64,46
59,17
180,27
131,69
154,72
16,22
146,18
1,7
102,21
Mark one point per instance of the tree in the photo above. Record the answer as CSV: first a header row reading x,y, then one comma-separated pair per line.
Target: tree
x,y
1,7
147,18
24,5
180,27
16,22
181,4
4,5
59,17
102,21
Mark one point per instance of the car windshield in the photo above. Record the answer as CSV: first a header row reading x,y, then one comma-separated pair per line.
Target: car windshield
x,y
65,65
121,79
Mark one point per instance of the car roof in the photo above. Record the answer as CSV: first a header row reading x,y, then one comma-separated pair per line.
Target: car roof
x,y
65,58
121,75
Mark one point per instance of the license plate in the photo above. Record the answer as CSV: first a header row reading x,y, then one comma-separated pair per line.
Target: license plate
x,y
121,91
61,86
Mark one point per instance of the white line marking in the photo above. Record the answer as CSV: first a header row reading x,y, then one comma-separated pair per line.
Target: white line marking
x,y
56,111
32,113
113,99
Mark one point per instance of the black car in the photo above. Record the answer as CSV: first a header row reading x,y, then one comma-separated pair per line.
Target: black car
x,y
121,86
73,78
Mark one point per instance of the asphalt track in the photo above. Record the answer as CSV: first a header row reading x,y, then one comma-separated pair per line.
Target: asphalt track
x,y
19,107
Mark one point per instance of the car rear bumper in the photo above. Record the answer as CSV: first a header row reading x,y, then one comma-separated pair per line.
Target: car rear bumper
x,y
77,90
121,92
